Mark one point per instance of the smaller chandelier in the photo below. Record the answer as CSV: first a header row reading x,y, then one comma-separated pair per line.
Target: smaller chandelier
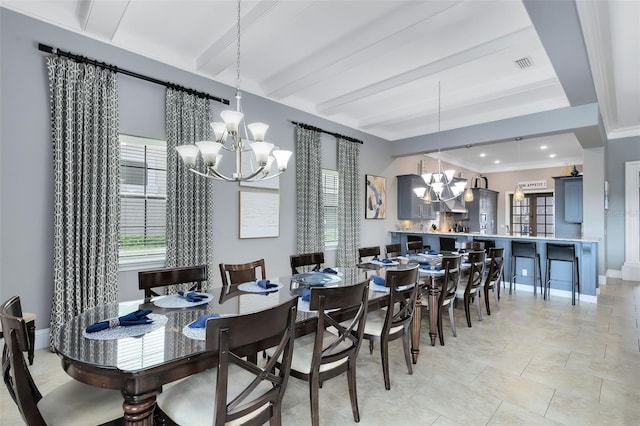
x,y
227,137
442,185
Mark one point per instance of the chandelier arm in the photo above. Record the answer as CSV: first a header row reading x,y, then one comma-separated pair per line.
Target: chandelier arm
x,y
208,175
267,177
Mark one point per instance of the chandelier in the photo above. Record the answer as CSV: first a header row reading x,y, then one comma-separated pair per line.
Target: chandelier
x,y
228,138
443,185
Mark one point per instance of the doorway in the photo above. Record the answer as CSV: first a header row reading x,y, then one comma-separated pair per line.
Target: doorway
x,y
533,216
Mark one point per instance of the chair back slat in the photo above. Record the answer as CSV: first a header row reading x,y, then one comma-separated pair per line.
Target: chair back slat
x,y
364,252
401,307
393,250
242,272
312,261
495,267
192,275
414,247
563,252
447,244
476,271
451,278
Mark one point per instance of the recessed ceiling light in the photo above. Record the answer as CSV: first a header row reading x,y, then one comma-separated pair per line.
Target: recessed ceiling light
x,y
482,154
552,156
496,162
543,147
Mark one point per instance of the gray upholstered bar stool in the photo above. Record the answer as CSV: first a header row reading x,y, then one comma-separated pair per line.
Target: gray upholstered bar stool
x,y
563,253
525,250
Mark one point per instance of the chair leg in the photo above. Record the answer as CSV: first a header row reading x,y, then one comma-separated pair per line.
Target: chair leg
x,y
31,331
276,418
512,269
314,391
407,349
353,394
439,325
547,280
496,296
539,275
477,297
370,347
453,325
384,355
486,298
467,314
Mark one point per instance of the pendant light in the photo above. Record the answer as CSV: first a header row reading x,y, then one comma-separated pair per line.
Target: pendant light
x,y
518,193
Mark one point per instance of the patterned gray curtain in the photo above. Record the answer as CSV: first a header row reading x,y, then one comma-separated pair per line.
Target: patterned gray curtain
x,y
309,201
348,202
86,207
189,197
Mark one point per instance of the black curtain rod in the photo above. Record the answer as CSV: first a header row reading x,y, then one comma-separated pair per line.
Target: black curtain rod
x,y
318,129
83,59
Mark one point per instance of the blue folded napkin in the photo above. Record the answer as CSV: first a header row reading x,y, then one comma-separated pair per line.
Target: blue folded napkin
x,y
306,294
386,260
433,252
266,284
437,268
202,321
378,280
192,296
134,318
330,271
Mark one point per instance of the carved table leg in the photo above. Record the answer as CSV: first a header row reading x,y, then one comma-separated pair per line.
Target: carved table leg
x,y
139,409
434,296
415,329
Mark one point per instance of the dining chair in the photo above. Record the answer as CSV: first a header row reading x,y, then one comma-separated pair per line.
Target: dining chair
x,y
368,252
150,280
73,403
386,325
472,245
237,390
414,247
393,250
242,272
313,261
448,285
447,244
30,321
468,288
493,278
323,355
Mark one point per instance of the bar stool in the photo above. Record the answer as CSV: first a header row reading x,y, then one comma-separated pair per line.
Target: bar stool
x,y
563,253
526,250
447,244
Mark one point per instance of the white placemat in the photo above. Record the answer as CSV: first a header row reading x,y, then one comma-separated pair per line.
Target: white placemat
x,y
381,263
197,333
303,306
384,289
177,301
316,278
128,331
253,287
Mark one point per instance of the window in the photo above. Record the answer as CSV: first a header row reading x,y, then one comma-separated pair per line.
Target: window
x,y
143,197
533,216
330,198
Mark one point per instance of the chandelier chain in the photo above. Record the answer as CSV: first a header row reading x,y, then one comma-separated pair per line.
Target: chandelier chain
x,y
238,49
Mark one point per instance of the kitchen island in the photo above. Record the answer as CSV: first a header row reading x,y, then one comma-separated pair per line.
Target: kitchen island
x,y
586,251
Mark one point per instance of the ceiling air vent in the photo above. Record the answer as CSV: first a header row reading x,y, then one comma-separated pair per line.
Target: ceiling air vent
x,y
524,63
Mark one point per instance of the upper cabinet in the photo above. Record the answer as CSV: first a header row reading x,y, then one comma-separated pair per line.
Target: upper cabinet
x,y
573,200
410,207
483,211
568,212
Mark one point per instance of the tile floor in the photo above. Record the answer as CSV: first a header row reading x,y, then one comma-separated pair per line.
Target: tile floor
x,y
533,362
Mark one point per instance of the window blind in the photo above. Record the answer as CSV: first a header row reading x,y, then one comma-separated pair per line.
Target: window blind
x,y
330,198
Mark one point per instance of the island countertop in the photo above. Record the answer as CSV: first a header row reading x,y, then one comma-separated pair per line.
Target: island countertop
x,y
493,236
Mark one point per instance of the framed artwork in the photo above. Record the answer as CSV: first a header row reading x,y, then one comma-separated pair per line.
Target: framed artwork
x,y
376,197
259,214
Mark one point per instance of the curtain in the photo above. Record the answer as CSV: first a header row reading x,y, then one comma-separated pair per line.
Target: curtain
x,y
86,207
309,201
189,197
348,202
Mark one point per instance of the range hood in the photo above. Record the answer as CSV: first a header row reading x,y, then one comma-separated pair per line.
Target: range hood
x,y
453,206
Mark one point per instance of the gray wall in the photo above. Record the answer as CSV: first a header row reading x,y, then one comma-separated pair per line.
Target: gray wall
x,y
618,152
26,197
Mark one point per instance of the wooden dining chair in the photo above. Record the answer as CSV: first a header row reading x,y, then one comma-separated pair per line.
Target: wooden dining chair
x,y
242,272
468,289
393,250
414,247
323,355
237,390
472,245
448,285
312,261
73,403
151,280
368,252
30,321
493,278
393,323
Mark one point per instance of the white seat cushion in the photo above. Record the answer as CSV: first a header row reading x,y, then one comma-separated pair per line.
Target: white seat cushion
x,y
192,401
77,404
27,316
374,323
303,352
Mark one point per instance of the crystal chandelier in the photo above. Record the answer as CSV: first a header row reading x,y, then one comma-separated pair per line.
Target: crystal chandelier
x,y
228,138
443,185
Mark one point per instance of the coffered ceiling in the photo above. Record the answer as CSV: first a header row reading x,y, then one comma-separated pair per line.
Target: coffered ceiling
x,y
377,66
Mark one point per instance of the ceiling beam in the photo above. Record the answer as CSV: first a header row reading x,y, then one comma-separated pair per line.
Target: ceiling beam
x,y
102,18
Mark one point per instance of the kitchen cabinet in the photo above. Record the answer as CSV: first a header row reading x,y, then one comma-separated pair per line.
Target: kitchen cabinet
x,y
482,213
410,207
573,200
568,211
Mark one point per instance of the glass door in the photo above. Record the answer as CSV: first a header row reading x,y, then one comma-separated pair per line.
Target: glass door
x,y
533,216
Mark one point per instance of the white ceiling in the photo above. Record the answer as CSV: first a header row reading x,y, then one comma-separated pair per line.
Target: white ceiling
x,y
376,65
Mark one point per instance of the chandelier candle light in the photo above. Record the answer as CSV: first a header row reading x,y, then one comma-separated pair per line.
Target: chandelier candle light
x,y
229,131
442,185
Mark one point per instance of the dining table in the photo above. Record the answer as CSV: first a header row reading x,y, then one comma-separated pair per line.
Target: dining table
x,y
139,360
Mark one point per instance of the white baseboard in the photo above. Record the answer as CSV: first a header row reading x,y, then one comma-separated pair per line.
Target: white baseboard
x,y
42,339
555,292
614,273
602,280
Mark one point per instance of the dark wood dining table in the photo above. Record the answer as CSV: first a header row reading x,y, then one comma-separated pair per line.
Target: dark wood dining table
x,y
140,366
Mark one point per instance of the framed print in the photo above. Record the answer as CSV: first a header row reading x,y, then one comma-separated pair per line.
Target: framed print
x,y
376,197
259,215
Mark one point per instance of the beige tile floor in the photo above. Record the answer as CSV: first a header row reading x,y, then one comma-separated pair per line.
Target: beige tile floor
x,y
533,362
